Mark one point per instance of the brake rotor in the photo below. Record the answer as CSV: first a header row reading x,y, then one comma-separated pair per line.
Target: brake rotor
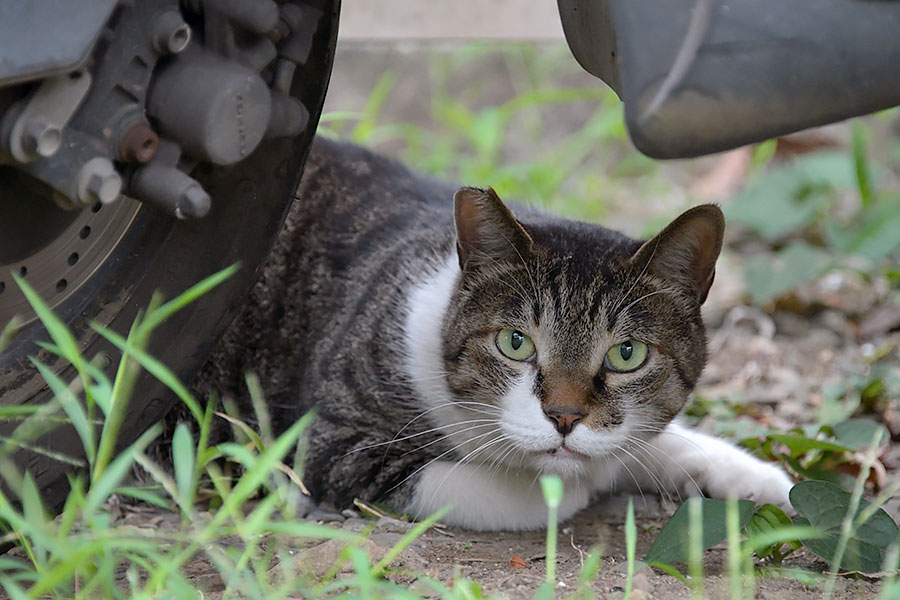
x,y
55,249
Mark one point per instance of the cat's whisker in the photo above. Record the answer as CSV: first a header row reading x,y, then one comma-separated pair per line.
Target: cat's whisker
x,y
447,435
675,434
464,460
664,492
660,488
678,489
645,296
633,478
522,293
439,407
499,456
438,457
534,287
421,433
498,462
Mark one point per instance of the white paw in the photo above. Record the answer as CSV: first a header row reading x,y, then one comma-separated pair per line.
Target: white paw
x,y
748,478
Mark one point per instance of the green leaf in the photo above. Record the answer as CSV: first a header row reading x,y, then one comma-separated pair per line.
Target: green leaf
x,y
771,276
371,111
486,133
798,193
769,521
14,591
818,473
183,460
408,539
824,505
859,433
671,546
800,444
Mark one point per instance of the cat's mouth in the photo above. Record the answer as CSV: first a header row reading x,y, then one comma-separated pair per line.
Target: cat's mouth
x,y
565,451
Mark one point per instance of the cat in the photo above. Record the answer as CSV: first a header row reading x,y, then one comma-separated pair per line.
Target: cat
x,y
455,350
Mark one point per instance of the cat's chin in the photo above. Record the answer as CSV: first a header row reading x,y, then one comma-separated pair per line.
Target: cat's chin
x,y
562,461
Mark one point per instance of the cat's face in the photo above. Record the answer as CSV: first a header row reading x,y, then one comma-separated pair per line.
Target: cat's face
x,y
577,342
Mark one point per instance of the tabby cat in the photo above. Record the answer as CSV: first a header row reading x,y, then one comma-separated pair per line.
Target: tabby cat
x,y
455,350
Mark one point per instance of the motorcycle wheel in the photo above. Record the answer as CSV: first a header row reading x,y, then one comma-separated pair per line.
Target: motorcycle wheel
x,y
116,256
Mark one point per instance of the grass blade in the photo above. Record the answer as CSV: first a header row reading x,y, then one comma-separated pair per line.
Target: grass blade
x,y
695,546
734,548
408,539
61,335
9,332
183,461
118,468
630,546
861,164
155,318
72,408
154,367
552,487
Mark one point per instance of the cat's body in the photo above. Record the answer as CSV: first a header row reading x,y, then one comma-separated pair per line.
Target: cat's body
x,y
406,325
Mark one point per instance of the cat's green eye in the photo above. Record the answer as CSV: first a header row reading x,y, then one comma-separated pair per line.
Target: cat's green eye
x,y
626,356
515,344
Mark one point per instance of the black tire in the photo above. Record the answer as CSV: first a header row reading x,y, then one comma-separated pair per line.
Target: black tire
x,y
250,201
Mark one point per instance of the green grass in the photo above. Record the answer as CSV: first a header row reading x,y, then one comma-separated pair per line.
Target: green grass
x,y
79,553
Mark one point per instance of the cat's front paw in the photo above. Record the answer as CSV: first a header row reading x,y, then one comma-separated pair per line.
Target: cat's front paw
x,y
718,468
748,478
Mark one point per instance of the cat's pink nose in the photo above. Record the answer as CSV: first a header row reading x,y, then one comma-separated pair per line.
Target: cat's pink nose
x,y
564,421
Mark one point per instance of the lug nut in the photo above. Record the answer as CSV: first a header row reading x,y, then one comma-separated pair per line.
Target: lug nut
x,y
41,137
171,34
98,181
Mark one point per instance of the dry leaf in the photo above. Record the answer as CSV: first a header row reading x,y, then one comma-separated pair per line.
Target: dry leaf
x,y
517,562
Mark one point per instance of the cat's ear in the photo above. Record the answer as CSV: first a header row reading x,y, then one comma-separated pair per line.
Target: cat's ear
x,y
486,232
686,250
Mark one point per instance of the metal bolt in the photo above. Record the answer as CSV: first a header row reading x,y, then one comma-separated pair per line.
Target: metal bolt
x,y
139,144
98,181
193,203
41,137
171,34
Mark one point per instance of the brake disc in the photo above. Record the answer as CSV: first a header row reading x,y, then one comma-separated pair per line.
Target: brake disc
x,y
56,250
